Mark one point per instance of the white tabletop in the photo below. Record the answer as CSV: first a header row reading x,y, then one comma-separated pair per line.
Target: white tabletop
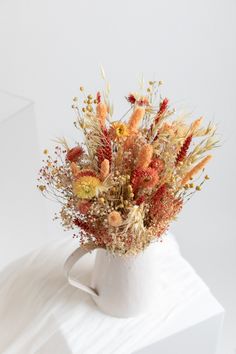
x,y
37,304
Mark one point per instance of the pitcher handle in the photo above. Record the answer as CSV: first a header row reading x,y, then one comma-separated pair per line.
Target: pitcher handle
x,y
69,264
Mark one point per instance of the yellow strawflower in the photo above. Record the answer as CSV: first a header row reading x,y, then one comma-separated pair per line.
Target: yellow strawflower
x,y
119,130
85,187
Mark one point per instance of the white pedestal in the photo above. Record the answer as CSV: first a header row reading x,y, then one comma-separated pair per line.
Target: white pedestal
x,y
40,313
23,224
196,329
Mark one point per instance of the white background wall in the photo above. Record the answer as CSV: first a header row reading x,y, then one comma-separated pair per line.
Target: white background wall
x,y
49,48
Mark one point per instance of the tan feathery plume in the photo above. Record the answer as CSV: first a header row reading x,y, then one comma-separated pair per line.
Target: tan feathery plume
x,y
104,170
145,156
135,119
196,124
196,169
101,110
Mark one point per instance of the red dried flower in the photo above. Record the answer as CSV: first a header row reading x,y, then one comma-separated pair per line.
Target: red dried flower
x,y
83,173
74,154
98,97
144,178
157,164
162,108
143,101
184,149
163,105
83,226
164,206
159,194
140,200
131,99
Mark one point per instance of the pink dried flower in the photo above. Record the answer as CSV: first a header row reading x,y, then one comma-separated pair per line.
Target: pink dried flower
x,y
83,206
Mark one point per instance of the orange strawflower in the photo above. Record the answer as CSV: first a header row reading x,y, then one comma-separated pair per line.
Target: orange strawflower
x,y
119,131
149,178
144,179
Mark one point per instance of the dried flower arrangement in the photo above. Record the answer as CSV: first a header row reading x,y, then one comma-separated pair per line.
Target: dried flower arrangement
x,y
129,180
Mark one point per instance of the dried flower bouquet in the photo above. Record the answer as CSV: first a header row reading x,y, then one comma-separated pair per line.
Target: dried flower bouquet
x,y
129,179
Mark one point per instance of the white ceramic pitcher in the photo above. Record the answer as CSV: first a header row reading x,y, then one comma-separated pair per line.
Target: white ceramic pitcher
x,y
121,286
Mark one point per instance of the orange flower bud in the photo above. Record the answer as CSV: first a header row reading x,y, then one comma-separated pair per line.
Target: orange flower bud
x,y
104,170
136,118
114,219
145,156
74,169
101,110
196,169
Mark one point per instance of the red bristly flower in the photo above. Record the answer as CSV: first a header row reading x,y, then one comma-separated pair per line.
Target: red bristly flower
x,y
162,108
163,105
131,99
86,173
84,226
140,200
137,175
184,149
156,203
74,154
159,194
